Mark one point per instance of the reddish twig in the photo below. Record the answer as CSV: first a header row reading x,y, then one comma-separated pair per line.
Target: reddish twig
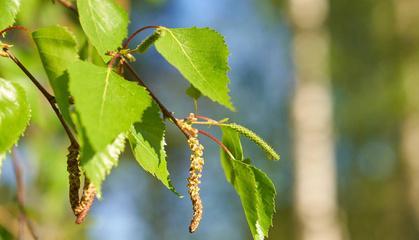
x,y
205,118
132,36
69,5
214,139
113,60
13,28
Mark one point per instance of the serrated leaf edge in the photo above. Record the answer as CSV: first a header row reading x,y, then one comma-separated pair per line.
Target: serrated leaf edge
x,y
163,152
229,105
29,114
14,13
112,150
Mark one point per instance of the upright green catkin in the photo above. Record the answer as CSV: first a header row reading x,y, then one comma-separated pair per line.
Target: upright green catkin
x,y
148,42
270,152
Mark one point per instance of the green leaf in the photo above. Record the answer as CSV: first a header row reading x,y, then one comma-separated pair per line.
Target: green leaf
x,y
232,141
270,152
200,54
107,104
104,22
89,53
98,166
57,48
14,115
255,189
8,11
257,194
147,143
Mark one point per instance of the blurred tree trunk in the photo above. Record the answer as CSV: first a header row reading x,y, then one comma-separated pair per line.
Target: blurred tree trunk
x,y
407,26
315,170
369,113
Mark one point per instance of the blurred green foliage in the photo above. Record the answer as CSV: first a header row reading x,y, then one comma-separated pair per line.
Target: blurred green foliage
x,y
367,57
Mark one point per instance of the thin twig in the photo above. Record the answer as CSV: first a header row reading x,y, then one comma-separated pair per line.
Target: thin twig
x,y
13,28
165,111
68,5
205,118
132,36
48,96
23,218
205,123
113,60
44,92
207,134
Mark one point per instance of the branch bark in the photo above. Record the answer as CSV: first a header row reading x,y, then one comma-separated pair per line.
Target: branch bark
x,y
48,96
166,112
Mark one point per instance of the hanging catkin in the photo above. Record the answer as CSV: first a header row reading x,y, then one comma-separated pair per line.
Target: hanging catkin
x,y
195,170
80,206
74,175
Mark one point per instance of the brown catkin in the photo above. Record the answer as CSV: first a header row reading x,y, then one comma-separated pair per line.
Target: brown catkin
x,y
195,171
80,206
89,194
74,175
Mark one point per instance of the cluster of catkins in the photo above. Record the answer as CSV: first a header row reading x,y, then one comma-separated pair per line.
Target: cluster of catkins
x,y
195,170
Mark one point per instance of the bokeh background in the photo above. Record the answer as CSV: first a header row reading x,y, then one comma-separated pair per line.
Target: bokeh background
x,y
333,85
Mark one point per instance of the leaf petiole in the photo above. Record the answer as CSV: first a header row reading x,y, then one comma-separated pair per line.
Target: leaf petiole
x,y
214,139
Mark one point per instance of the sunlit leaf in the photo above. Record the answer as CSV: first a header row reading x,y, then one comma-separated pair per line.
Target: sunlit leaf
x,y
201,55
255,189
99,165
8,11
148,143
104,22
107,104
89,53
57,48
232,141
14,115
